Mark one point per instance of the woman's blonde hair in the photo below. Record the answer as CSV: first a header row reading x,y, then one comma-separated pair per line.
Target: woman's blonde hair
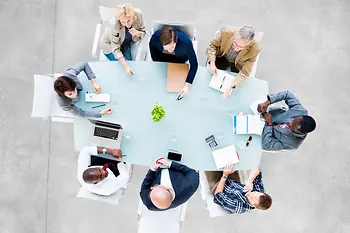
x,y
125,10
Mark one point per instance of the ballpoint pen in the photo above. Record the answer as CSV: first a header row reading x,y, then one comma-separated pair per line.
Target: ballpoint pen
x,y
99,106
223,80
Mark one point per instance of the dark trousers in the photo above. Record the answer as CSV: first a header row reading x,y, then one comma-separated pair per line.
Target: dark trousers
x,y
213,178
222,64
171,58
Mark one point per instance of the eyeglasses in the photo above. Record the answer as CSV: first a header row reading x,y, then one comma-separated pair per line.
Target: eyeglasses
x,y
248,141
236,45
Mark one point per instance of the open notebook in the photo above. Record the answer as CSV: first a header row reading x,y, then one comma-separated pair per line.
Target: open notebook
x,y
224,156
247,124
221,81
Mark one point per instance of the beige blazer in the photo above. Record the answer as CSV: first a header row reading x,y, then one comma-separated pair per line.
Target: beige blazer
x,y
245,59
115,34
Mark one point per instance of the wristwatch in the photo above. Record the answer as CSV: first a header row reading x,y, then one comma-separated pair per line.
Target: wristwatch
x,y
225,177
104,150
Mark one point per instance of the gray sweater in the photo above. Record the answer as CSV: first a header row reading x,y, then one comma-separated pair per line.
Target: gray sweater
x,y
68,104
275,138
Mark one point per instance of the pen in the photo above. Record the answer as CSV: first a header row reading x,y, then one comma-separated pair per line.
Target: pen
x,y
99,106
223,80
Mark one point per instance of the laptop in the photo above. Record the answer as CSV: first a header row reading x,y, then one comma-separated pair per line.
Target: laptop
x,y
176,77
106,134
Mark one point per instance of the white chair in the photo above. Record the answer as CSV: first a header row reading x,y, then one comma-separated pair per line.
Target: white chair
x,y
45,103
214,209
169,221
111,199
105,15
187,28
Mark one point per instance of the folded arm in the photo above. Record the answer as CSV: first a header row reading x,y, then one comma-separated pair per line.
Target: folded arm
x,y
68,106
286,96
191,175
269,142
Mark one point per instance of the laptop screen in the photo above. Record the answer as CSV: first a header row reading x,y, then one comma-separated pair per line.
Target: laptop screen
x,y
106,124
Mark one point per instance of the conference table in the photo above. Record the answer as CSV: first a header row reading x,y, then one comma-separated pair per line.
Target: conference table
x,y
186,123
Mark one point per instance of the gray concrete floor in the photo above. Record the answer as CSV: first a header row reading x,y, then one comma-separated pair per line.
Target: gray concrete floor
x,y
305,50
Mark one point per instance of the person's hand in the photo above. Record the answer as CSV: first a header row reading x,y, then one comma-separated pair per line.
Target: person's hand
x,y
262,108
248,187
128,70
116,153
228,170
185,90
226,93
155,165
268,118
97,88
106,111
134,32
164,162
212,68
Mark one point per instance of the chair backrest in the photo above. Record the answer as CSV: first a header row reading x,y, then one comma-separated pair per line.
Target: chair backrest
x,y
42,99
187,28
106,13
169,221
45,99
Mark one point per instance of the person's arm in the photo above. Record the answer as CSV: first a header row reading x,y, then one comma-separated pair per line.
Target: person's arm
x,y
191,175
68,106
84,160
79,67
269,142
288,97
146,186
193,62
142,29
221,185
214,46
153,47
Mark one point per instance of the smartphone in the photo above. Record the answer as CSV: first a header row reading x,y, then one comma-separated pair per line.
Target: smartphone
x,y
211,141
174,156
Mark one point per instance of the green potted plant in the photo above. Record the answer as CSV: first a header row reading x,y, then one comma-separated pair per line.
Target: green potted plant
x,y
158,112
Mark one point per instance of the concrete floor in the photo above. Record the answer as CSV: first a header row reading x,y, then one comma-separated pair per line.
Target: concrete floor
x,y
305,50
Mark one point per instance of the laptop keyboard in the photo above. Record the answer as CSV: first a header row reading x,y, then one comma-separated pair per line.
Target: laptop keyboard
x,y
106,133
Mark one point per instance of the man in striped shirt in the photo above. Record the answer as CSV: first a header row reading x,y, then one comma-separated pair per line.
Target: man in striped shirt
x,y
234,196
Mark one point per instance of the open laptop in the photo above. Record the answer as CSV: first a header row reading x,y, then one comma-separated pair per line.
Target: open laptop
x,y
176,77
106,134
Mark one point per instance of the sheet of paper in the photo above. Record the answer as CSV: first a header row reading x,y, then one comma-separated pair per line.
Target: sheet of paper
x,y
254,124
221,78
224,156
240,124
92,97
247,124
254,106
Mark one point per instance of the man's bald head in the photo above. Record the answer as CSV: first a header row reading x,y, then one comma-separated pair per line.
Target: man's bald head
x,y
161,197
94,175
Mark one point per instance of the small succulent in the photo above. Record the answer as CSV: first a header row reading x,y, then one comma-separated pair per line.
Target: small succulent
x,y
158,112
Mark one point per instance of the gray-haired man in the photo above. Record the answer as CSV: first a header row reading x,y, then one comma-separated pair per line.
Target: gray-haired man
x,y
235,48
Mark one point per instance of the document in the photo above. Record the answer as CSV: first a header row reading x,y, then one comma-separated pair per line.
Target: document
x,y
100,98
224,156
247,124
254,106
222,81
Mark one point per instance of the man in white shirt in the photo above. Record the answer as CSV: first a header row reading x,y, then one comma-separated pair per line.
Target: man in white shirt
x,y
168,185
103,179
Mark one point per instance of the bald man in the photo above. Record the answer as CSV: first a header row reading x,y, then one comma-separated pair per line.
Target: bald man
x,y
168,187
99,175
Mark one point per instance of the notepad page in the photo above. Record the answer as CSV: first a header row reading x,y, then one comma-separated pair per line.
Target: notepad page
x,y
254,124
224,156
240,124
217,80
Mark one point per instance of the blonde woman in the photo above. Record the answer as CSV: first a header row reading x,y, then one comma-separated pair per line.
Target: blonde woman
x,y
125,29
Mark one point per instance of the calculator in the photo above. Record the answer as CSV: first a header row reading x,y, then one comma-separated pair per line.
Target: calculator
x,y
211,141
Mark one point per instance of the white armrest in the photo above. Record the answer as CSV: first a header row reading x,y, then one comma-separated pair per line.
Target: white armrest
x,y
195,46
139,210
96,40
182,213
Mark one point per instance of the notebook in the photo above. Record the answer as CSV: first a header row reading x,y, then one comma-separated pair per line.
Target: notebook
x,y
224,156
221,81
100,98
176,77
254,106
247,124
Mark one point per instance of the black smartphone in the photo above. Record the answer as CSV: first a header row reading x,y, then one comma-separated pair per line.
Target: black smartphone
x,y
174,156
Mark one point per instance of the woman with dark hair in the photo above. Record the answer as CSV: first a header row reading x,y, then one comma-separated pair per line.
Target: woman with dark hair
x,y
68,86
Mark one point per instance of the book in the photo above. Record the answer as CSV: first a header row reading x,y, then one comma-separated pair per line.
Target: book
x,y
254,106
222,81
247,124
92,97
225,156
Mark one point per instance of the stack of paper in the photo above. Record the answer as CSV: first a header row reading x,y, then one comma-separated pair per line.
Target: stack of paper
x,y
92,97
248,124
225,156
254,106
222,81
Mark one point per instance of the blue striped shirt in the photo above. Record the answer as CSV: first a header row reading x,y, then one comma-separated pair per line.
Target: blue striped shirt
x,y
233,199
